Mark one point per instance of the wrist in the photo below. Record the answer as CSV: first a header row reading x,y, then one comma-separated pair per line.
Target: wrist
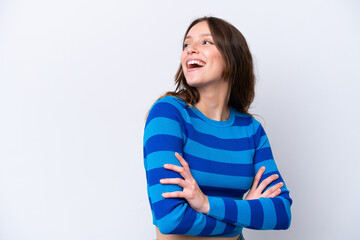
x,y
206,205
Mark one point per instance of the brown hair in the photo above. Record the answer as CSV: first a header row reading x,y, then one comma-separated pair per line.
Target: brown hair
x,y
239,70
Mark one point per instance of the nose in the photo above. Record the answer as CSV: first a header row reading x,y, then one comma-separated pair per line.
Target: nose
x,y
192,49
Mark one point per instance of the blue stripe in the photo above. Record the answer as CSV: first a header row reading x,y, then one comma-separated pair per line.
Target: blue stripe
x,y
154,175
209,226
163,142
165,206
264,142
192,114
257,214
224,192
167,110
158,189
233,169
269,213
158,159
229,228
285,194
164,110
258,134
268,164
231,210
163,125
281,215
242,121
232,132
199,150
262,155
219,228
186,221
218,180
244,213
237,144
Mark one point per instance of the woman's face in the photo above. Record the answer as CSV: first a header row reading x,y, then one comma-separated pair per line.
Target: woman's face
x,y
201,61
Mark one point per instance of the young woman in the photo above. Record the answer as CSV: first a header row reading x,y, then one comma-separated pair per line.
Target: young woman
x,y
203,150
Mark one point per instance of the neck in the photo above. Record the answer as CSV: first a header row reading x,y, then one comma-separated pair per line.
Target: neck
x,y
213,102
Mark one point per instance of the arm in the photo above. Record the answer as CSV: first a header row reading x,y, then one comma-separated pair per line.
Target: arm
x,y
164,134
262,213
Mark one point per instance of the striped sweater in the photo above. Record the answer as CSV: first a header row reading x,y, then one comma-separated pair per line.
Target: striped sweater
x,y
223,157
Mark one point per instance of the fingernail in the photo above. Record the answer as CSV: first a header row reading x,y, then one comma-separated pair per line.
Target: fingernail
x,y
161,180
166,165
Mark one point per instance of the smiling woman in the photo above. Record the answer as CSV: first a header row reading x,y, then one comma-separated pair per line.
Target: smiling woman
x,y
203,150
201,61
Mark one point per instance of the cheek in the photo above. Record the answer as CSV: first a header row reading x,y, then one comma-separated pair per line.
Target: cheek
x,y
221,62
182,59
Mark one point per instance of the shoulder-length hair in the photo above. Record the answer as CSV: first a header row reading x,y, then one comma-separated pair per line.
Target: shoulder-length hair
x,y
239,70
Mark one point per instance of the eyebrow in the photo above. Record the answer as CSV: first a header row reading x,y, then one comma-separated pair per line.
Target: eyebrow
x,y
202,35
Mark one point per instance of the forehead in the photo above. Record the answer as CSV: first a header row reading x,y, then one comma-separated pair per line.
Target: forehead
x,y
199,29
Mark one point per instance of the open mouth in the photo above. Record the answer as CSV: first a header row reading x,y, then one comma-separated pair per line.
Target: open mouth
x,y
195,64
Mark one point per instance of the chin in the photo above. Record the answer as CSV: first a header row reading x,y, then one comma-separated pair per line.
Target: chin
x,y
193,84
198,83
194,81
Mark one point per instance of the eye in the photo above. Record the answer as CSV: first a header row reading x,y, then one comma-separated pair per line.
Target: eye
x,y
185,45
207,42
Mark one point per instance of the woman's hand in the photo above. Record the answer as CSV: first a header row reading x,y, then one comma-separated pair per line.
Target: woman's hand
x,y
256,191
191,190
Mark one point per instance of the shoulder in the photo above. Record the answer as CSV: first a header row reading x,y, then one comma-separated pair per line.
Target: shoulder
x,y
168,106
166,117
175,101
256,123
250,123
245,120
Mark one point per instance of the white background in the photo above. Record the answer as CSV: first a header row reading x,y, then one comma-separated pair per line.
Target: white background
x,y
77,78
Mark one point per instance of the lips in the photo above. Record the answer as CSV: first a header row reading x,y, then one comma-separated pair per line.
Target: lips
x,y
193,64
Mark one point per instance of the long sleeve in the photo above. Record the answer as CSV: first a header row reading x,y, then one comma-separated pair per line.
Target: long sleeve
x,y
165,134
263,213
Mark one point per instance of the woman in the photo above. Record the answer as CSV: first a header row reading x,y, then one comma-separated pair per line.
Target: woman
x,y
202,148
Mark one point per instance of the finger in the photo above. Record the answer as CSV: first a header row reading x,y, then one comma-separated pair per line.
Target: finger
x,y
176,181
267,181
176,194
187,173
257,178
183,172
272,189
173,167
275,194
182,161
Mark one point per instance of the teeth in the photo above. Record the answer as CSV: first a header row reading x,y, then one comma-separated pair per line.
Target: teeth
x,y
196,62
